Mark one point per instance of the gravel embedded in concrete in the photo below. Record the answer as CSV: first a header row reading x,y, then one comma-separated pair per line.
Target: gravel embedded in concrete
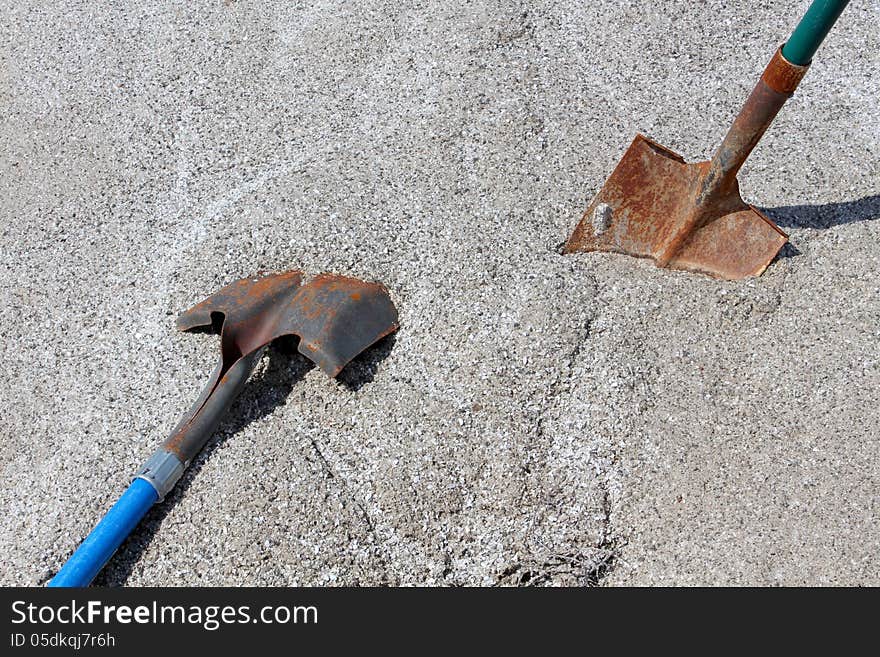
x,y
538,419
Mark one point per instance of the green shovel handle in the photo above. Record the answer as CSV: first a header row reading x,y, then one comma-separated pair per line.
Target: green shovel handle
x,y
811,31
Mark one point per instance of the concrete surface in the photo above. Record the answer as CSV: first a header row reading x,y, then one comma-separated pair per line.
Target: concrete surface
x,y
539,419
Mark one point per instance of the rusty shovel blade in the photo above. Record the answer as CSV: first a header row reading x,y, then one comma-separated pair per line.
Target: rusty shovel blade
x,y
650,194
691,216
335,317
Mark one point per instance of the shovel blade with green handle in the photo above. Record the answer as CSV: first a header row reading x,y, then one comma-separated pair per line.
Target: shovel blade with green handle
x,y
690,215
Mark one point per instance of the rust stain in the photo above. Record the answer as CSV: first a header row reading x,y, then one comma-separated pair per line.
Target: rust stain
x,y
781,75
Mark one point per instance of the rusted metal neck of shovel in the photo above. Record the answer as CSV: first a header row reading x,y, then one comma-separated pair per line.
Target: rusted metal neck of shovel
x,y
717,189
691,216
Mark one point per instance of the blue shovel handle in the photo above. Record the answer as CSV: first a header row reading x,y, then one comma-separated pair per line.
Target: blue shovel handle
x,y
107,536
156,477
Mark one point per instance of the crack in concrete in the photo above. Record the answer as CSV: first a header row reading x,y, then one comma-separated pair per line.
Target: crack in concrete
x,y
607,548
590,569
362,511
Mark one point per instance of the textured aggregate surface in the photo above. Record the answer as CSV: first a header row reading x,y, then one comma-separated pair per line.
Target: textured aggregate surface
x,y
539,418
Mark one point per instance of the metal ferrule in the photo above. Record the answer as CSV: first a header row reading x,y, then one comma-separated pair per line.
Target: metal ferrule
x,y
162,470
